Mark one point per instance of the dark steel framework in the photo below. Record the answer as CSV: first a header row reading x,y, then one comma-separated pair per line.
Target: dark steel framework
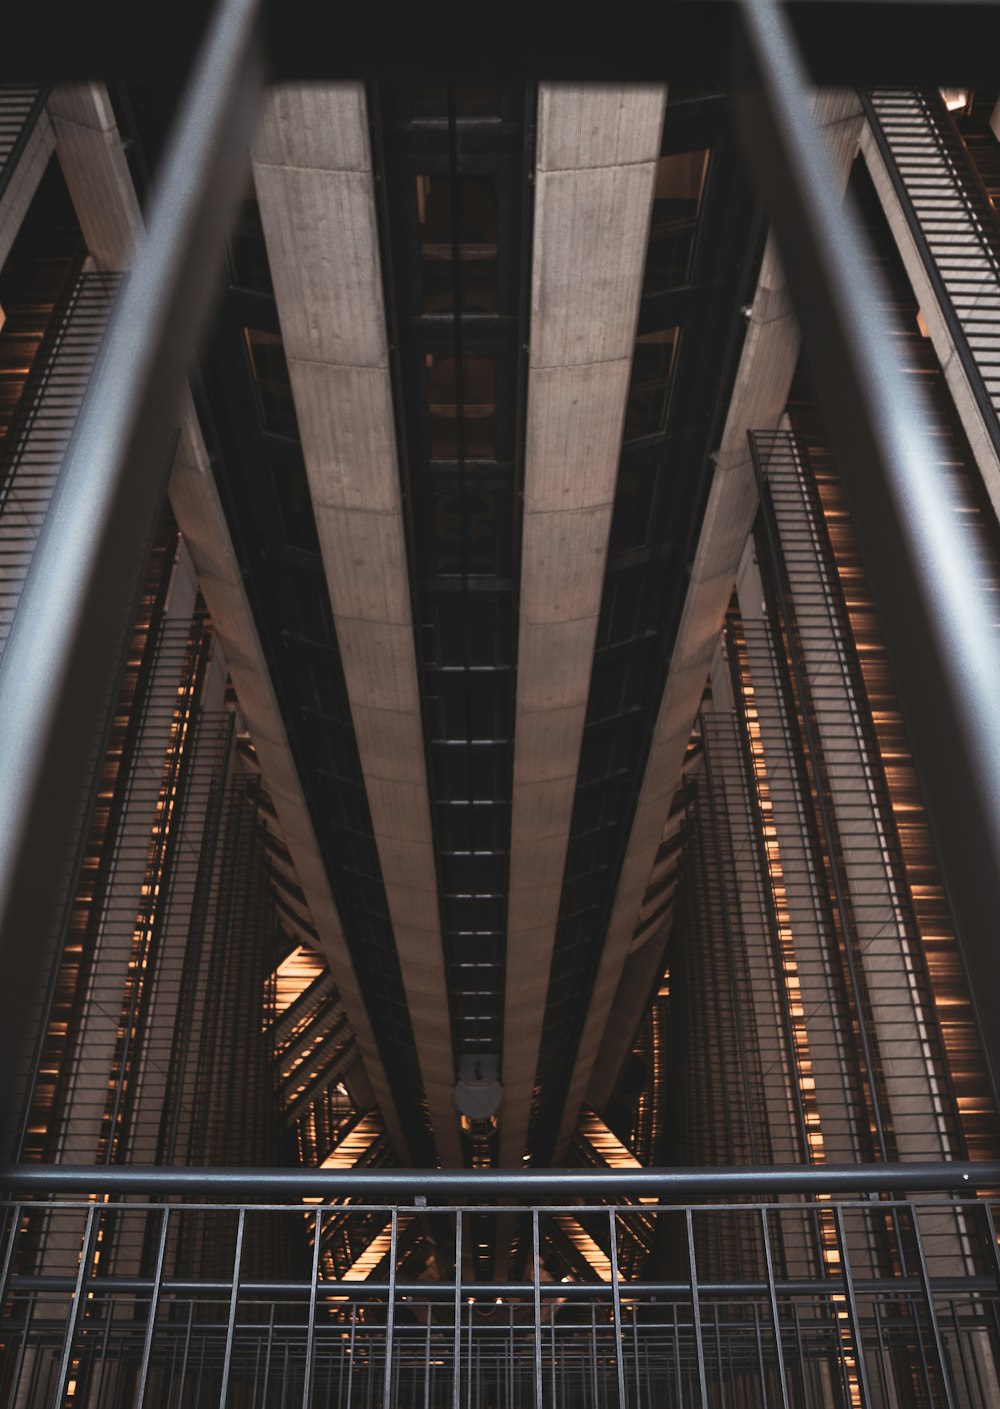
x,y
806,1318
79,594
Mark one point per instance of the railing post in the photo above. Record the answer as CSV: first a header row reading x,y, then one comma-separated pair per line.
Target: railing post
x,y
311,1328
696,1309
76,1311
857,1332
234,1298
536,1276
616,1303
456,1394
772,1297
154,1301
390,1314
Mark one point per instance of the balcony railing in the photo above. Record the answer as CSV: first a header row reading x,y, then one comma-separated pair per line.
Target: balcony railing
x,y
953,229
819,1295
20,108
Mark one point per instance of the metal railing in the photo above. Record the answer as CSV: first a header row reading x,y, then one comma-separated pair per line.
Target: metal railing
x,y
918,557
953,229
36,443
253,1315
20,108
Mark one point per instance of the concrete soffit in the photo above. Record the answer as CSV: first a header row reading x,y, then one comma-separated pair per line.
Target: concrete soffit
x,y
312,168
760,393
598,146
90,153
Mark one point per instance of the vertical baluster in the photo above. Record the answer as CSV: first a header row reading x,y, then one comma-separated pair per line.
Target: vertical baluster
x,y
537,1293
233,1303
311,1325
864,1396
76,1311
616,1303
456,1394
390,1315
696,1311
153,1307
775,1313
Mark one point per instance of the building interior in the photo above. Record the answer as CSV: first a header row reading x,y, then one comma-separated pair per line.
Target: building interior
x,y
505,770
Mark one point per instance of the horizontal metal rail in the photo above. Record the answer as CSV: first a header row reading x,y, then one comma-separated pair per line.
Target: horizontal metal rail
x,y
443,1291
425,1186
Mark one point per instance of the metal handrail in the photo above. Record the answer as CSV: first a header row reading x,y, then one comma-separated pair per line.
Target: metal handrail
x,y
942,295
21,141
423,1186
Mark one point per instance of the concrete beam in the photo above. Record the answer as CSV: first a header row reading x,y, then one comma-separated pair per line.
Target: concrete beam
x,y
763,380
598,146
93,163
313,174
89,148
23,183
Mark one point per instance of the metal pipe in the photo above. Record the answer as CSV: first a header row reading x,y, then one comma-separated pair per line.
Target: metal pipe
x,y
918,556
79,596
536,1186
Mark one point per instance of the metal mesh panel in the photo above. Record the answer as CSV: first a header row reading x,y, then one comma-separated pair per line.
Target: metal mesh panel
x,y
251,1333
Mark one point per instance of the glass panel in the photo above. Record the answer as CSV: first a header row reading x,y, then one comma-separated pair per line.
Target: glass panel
x,y
274,391
649,389
477,243
680,182
292,488
248,264
462,417
469,531
633,507
469,102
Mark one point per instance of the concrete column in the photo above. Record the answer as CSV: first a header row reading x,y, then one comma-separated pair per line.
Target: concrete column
x,y
763,379
598,145
313,173
89,149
